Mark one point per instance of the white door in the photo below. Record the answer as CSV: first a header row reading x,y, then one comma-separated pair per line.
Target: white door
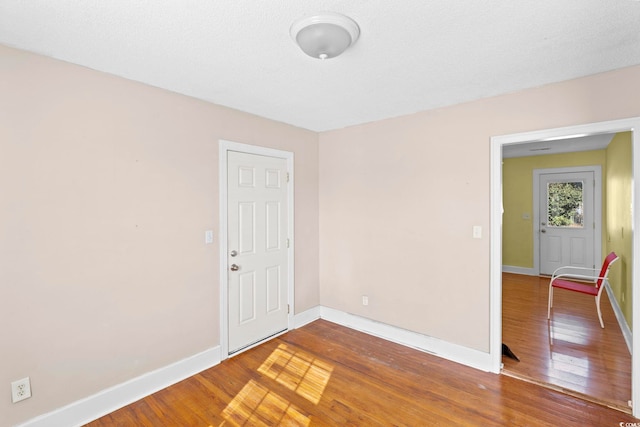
x,y
257,248
567,220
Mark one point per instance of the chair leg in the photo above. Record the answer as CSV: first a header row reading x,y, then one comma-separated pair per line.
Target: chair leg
x,y
599,311
550,301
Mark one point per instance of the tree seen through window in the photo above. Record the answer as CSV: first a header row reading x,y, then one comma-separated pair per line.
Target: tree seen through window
x,y
564,204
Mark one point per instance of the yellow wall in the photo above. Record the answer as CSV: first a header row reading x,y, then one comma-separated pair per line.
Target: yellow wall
x,y
618,231
517,232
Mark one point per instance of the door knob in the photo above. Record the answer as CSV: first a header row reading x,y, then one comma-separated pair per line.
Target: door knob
x,y
233,253
234,267
543,231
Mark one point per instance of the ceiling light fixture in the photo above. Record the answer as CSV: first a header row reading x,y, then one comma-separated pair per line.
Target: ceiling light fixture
x,y
325,35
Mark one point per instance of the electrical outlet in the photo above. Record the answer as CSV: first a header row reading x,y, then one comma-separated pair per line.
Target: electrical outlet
x,y
20,390
365,300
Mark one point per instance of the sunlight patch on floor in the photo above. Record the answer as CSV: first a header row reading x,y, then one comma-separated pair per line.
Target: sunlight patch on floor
x,y
256,405
297,371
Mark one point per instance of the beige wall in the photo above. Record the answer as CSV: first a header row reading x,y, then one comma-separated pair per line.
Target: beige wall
x,y
399,197
107,187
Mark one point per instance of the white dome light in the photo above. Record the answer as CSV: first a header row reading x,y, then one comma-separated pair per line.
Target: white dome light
x,y
325,35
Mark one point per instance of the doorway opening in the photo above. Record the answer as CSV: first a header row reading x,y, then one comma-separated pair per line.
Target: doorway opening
x,y
551,137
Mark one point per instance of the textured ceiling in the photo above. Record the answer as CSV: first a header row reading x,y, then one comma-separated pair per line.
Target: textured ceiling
x,y
412,55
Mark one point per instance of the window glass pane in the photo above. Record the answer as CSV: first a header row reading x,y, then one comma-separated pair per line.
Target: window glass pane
x,y
564,204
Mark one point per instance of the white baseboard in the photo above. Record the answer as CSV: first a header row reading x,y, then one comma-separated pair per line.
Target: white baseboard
x,y
624,327
519,270
453,352
306,317
104,402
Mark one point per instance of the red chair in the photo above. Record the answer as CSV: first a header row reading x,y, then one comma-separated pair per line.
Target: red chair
x,y
586,284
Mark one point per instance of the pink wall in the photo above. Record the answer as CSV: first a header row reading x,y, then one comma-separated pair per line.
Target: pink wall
x,y
399,198
107,188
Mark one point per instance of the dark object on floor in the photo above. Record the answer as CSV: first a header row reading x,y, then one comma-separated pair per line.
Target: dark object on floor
x,y
506,351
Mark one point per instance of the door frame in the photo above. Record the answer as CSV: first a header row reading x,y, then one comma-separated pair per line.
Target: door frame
x,y
224,147
597,213
495,313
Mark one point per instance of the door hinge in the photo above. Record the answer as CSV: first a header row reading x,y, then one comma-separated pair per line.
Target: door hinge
x,y
287,176
288,309
287,242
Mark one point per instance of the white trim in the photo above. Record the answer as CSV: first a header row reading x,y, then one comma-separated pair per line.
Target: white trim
x,y
597,209
224,147
519,270
497,142
495,248
113,398
635,265
116,397
306,317
622,322
453,352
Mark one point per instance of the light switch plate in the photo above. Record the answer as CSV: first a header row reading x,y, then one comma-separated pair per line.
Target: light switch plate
x,y
208,236
477,232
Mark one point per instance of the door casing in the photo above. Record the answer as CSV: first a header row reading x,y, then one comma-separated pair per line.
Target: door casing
x,y
224,147
495,313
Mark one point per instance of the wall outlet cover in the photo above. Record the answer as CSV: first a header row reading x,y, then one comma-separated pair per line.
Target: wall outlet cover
x,y
20,390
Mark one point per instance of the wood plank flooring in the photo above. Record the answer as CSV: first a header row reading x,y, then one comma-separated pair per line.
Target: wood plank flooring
x,y
324,374
571,351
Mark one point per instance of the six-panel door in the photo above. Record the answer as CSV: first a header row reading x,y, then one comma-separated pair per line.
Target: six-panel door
x,y
257,248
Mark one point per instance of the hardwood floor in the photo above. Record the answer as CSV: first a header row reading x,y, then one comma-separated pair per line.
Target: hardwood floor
x,y
571,351
324,374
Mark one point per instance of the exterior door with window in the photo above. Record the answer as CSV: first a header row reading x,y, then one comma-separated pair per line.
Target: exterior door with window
x,y
567,220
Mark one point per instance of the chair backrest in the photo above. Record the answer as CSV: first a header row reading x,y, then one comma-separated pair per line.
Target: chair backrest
x,y
606,265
